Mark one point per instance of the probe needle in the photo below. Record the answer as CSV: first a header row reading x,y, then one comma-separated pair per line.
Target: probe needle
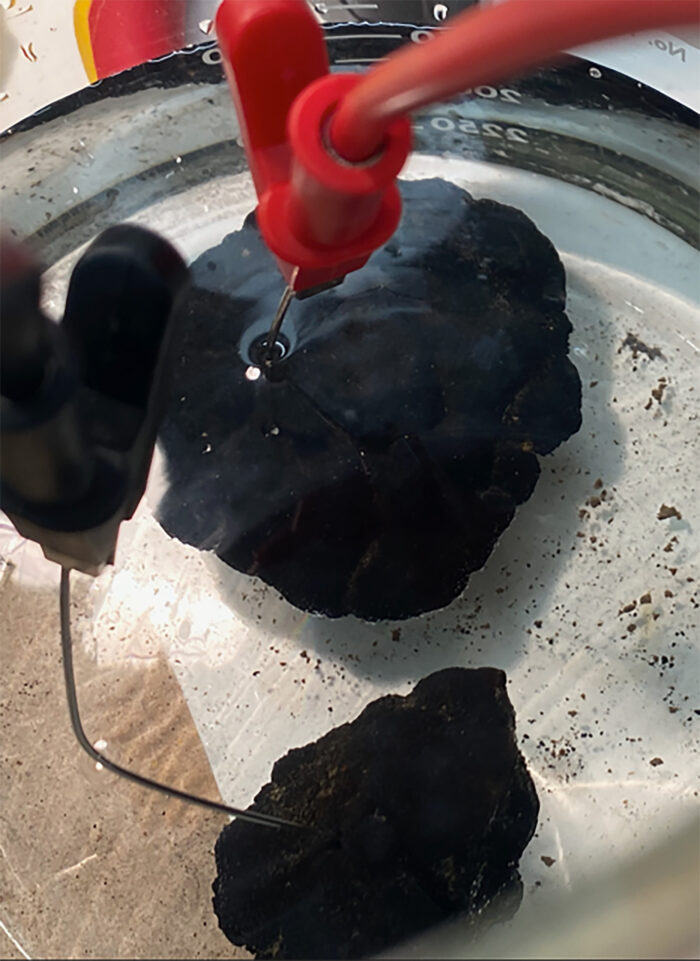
x,y
282,308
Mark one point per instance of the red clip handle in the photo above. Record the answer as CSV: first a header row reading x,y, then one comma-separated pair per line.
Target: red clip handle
x,y
324,169
271,52
321,216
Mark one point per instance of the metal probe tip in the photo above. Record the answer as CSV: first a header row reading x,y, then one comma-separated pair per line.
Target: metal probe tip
x,y
282,308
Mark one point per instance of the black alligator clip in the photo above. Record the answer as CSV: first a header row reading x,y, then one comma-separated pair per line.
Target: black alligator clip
x,y
81,401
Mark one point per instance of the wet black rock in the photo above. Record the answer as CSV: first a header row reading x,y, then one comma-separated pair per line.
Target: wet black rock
x,y
379,465
420,810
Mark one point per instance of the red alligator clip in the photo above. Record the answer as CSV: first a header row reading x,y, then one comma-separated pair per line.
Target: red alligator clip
x,y
324,169
320,215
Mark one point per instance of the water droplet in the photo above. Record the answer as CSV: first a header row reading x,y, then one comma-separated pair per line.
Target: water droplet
x,y
205,25
253,373
100,745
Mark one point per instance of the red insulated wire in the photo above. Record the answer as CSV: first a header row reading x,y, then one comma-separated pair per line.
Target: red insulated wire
x,y
486,46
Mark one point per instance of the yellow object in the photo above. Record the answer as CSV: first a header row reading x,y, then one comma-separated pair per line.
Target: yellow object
x,y
81,21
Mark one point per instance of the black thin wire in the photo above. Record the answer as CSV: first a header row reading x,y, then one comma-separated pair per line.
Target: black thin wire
x,y
268,820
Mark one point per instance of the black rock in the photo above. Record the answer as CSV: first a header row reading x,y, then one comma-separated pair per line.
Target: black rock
x,y
378,465
418,811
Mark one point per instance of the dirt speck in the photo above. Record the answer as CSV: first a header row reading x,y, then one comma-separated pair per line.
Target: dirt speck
x,y
645,598
665,512
396,634
638,347
655,761
658,392
545,859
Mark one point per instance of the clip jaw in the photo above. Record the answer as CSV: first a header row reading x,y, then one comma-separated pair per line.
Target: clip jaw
x,y
321,216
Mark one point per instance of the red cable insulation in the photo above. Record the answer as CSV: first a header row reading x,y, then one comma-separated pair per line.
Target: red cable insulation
x,y
486,46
